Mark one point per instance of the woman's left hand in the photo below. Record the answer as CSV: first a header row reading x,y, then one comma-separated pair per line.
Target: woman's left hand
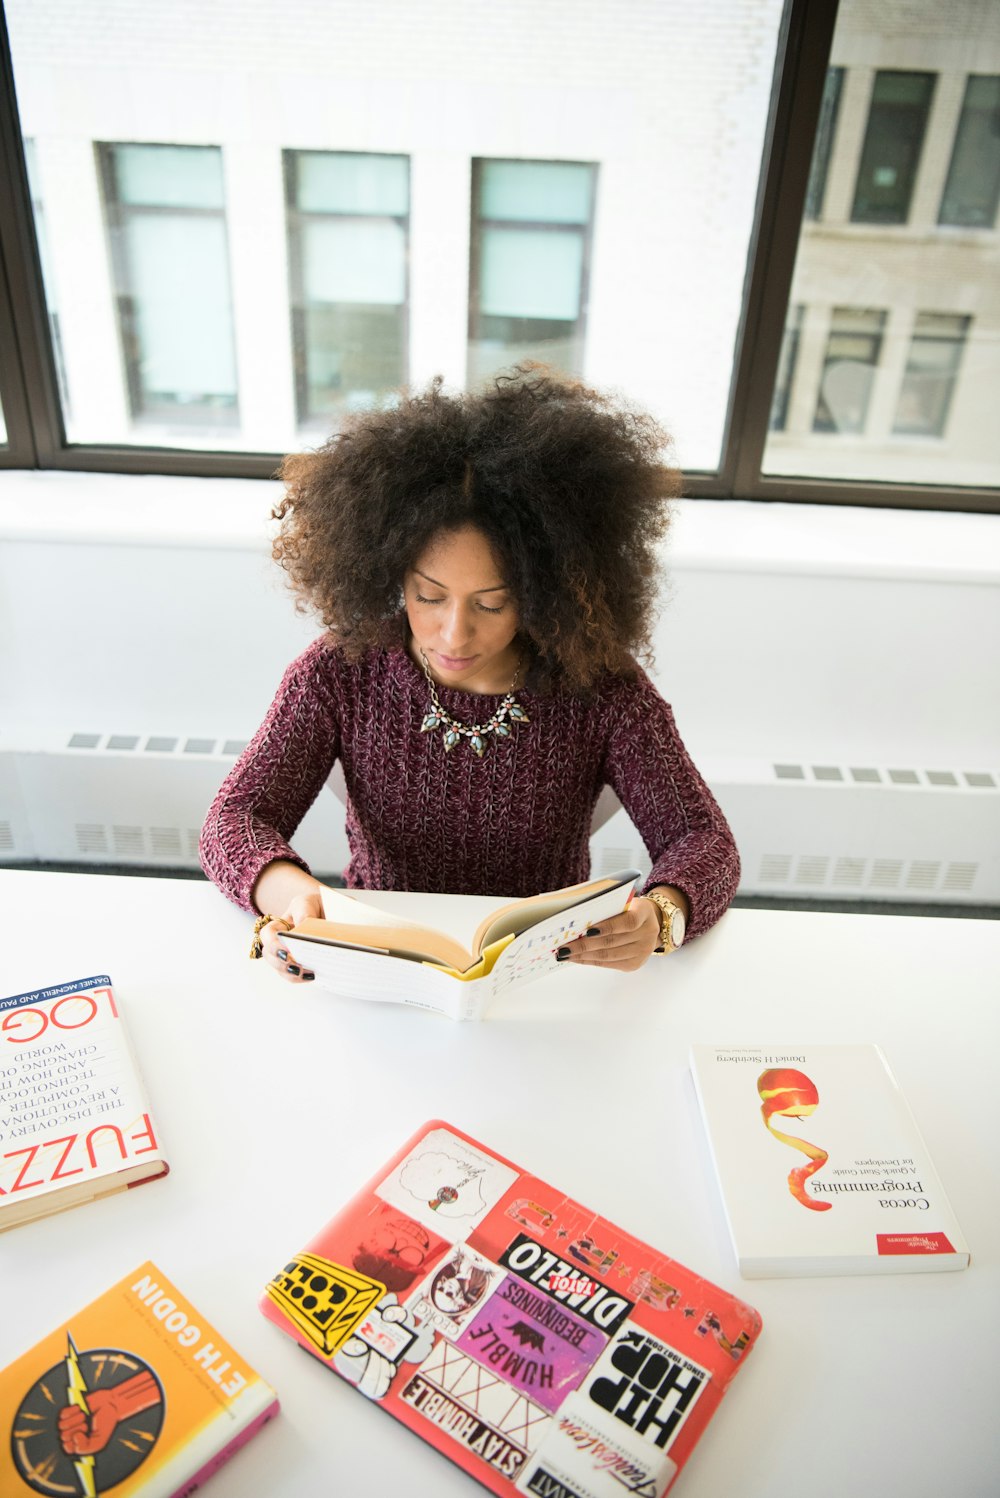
x,y
623,943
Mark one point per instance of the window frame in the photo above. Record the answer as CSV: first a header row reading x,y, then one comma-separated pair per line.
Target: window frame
x,y
29,388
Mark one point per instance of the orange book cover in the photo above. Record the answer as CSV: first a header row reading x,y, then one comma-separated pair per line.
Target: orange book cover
x,y
137,1393
528,1339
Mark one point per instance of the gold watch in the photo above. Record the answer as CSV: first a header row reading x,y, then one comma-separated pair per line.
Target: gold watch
x,y
672,923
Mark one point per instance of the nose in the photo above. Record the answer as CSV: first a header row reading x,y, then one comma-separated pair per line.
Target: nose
x,y
456,629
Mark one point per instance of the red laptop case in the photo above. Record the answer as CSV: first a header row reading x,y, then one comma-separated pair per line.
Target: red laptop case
x,y
529,1340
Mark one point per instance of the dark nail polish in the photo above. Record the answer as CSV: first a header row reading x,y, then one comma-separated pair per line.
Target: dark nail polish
x,y
594,931
294,970
562,954
282,955
308,977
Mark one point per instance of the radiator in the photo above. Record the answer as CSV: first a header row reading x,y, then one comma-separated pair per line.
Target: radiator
x,y
826,830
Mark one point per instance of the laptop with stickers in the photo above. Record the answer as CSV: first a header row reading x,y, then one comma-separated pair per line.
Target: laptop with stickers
x,y
526,1338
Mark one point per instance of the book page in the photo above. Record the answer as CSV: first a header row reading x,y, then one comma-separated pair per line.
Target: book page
x,y
348,909
519,915
532,954
405,941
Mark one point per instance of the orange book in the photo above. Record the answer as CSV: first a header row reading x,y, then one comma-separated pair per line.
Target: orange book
x,y
137,1393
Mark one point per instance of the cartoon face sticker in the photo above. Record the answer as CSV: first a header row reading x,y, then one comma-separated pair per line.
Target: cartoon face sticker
x,y
88,1423
394,1250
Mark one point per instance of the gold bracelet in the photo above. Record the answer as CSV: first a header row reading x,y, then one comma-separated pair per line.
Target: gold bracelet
x,y
257,946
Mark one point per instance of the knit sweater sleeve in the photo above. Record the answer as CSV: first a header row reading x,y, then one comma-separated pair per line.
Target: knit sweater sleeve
x,y
275,781
678,818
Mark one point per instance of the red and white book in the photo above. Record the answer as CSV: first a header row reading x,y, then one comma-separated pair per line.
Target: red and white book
x,y
75,1122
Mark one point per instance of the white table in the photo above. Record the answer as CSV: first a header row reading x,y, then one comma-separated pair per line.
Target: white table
x,y
276,1103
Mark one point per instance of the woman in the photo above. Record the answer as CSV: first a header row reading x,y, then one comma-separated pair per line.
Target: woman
x,y
486,569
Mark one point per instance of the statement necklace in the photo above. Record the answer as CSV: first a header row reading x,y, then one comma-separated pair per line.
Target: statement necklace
x,y
508,712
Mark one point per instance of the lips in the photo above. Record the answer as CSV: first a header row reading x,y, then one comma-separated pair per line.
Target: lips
x,y
454,662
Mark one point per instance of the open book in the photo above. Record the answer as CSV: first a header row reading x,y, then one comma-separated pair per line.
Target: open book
x,y
363,952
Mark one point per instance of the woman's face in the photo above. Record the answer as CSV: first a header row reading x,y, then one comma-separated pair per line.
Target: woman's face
x,y
461,613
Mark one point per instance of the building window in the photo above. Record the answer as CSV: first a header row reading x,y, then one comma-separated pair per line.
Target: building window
x,y
348,230
852,356
48,280
530,264
973,186
823,147
931,372
894,139
169,256
786,369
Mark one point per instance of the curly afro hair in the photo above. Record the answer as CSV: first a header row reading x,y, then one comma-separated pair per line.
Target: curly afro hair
x,y
569,487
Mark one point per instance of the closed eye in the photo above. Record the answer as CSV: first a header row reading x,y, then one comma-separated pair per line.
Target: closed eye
x,y
483,607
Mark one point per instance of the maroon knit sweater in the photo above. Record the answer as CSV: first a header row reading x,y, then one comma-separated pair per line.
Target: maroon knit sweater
x,y
513,823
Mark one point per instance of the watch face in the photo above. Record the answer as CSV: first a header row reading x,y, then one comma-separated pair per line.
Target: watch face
x,y
677,927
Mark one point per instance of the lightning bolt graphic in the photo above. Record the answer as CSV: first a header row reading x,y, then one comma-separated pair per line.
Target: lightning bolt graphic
x,y
76,1393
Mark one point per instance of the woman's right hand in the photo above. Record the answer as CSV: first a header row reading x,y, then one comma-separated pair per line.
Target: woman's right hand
x,y
276,950
286,888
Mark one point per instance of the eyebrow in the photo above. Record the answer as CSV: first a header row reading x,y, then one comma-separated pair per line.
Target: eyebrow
x,y
497,587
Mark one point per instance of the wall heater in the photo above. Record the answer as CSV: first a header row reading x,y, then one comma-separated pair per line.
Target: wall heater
x,y
823,829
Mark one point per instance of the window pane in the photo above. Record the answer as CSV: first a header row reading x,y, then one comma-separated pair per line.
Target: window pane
x,y
171,278
852,354
355,260
931,370
554,192
890,368
626,142
531,273
893,141
824,142
169,176
973,186
331,182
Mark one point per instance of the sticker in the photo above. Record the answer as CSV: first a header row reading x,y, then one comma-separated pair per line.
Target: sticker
x,y
323,1299
544,1269
654,1291
450,1297
710,1323
584,1455
531,1215
447,1184
535,1344
474,1407
647,1386
386,1337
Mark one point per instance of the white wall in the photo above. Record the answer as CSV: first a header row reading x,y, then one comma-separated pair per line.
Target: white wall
x,y
788,633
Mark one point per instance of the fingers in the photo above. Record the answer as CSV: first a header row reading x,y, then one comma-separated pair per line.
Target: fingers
x,y
622,943
279,954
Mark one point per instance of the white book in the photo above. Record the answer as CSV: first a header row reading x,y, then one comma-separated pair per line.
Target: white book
x,y
360,951
821,1164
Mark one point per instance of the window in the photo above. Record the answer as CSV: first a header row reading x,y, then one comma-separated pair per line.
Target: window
x,y
973,185
169,258
823,148
893,143
786,370
852,356
529,265
931,372
456,189
348,227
